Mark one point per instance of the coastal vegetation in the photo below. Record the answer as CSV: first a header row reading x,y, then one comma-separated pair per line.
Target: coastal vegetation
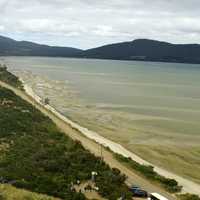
x,y
188,197
148,172
9,78
37,157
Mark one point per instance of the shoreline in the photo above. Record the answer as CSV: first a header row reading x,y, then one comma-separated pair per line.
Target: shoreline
x,y
188,186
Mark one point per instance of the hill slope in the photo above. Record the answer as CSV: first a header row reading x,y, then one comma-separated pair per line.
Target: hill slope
x,y
147,50
8,192
10,47
141,49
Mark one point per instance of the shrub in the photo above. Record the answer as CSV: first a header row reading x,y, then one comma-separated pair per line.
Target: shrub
x,y
188,197
2,197
170,185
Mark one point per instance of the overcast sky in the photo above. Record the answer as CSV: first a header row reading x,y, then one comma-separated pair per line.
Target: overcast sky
x,y
91,23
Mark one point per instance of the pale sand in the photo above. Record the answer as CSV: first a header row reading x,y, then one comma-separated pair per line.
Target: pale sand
x,y
188,186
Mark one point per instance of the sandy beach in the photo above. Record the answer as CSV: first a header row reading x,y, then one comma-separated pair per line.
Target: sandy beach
x,y
188,186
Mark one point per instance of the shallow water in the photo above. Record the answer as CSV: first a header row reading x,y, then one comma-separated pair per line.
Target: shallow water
x,y
145,106
140,87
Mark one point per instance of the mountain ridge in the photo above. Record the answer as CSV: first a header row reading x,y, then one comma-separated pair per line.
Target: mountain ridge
x,y
10,47
147,50
139,49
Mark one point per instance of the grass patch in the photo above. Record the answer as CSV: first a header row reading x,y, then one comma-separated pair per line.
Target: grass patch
x,y
8,192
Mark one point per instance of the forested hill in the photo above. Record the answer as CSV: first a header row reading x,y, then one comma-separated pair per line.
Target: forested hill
x,y
10,47
147,50
141,49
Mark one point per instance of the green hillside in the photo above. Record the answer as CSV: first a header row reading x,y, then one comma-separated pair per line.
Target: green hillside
x,y
36,156
10,47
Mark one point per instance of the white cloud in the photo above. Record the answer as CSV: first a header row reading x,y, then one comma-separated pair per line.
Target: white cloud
x,y
2,28
89,23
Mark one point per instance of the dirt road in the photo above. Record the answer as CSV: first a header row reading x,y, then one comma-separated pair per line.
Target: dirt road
x,y
92,146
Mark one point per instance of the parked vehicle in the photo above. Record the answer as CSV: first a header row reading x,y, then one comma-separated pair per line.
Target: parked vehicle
x,y
156,196
137,192
134,187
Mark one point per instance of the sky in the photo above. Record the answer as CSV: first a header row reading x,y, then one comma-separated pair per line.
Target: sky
x,y
91,23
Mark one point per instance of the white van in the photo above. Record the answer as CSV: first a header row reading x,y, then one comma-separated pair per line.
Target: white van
x,y
156,196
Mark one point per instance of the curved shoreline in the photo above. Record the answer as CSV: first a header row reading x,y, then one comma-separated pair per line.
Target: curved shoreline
x,y
188,186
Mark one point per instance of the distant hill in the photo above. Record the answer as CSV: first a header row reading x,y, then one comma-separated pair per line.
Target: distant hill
x,y
147,50
10,47
141,49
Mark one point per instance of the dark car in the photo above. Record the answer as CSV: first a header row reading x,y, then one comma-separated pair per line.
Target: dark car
x,y
137,192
